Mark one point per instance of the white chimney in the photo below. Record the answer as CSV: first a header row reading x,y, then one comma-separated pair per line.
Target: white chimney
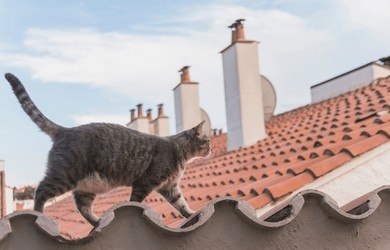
x,y
187,109
243,90
141,122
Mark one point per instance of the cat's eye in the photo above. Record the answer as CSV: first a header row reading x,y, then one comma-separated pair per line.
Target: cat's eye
x,y
205,141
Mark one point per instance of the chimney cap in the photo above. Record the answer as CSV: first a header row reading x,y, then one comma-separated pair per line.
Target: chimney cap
x,y
185,74
236,23
184,68
385,60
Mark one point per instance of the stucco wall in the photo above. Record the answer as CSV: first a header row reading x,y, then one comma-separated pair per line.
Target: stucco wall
x,y
310,221
187,109
243,95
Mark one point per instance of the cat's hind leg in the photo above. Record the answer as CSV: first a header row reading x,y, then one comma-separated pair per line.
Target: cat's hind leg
x,y
174,196
48,188
84,201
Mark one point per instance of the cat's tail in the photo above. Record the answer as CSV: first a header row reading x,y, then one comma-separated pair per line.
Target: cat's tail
x,y
46,125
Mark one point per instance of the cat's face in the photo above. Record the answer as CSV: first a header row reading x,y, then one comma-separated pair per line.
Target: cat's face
x,y
200,142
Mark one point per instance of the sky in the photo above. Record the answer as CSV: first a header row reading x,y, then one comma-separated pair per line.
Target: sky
x,y
92,61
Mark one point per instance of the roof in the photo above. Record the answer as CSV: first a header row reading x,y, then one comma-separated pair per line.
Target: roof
x,y
225,223
303,145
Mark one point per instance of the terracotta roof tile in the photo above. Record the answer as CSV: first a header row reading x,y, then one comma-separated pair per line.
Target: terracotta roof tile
x,y
288,186
325,166
302,145
365,145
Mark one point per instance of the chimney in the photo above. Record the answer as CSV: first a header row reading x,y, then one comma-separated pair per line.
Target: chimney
x,y
3,205
140,111
185,74
161,123
141,122
149,114
238,33
160,110
385,61
243,90
186,95
150,120
132,115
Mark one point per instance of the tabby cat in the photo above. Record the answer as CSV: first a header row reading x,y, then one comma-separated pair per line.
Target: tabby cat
x,y
94,158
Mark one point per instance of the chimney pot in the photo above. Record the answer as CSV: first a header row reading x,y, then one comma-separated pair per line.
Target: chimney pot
x,y
160,110
185,74
149,114
237,30
132,115
385,61
140,111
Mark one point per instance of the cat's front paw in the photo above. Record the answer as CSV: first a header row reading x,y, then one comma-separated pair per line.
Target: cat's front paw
x,y
186,212
95,225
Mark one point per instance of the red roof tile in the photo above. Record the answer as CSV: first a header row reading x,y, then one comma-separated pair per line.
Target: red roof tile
x,y
303,144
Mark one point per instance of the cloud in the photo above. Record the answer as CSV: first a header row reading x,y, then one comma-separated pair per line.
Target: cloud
x,y
144,66
369,15
111,118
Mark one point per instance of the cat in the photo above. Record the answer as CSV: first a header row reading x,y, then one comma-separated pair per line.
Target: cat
x,y
97,157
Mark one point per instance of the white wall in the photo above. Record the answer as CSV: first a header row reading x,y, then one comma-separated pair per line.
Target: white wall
x,y
187,109
243,94
380,71
351,81
141,124
161,126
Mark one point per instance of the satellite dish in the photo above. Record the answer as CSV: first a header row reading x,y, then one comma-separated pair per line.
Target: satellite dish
x,y
207,125
269,97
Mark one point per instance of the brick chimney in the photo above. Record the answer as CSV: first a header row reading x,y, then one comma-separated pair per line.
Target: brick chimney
x,y
140,111
141,122
150,119
132,115
243,90
185,74
186,95
149,114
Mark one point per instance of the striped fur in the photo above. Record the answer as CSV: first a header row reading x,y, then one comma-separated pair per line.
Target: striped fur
x,y
47,126
97,157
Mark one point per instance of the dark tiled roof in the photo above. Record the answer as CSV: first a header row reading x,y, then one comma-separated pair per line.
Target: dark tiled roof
x,y
303,145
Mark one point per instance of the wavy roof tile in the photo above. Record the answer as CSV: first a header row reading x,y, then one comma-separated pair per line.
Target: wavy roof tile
x,y
225,223
303,145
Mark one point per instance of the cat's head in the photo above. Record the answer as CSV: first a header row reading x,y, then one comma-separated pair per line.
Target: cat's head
x,y
198,141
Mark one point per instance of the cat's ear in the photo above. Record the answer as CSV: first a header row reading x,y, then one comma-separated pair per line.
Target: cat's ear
x,y
198,128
